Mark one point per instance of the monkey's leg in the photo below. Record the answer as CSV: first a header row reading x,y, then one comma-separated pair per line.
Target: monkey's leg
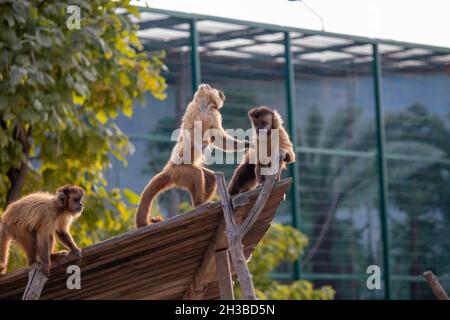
x,y
192,179
28,242
44,243
210,183
243,179
5,241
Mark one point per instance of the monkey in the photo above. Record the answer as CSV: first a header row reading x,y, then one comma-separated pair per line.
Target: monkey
x,y
34,222
248,174
191,174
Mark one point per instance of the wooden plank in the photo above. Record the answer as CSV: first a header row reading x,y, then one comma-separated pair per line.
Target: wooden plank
x,y
36,282
129,281
224,275
435,285
257,208
144,268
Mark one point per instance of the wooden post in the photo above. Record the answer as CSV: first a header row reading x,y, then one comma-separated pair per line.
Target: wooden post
x,y
436,286
234,243
224,275
236,233
36,282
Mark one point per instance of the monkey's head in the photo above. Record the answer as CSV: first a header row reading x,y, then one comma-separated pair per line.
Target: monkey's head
x,y
208,98
70,198
264,118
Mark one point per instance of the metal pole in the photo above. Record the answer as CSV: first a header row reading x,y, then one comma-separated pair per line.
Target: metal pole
x,y
293,168
382,178
195,59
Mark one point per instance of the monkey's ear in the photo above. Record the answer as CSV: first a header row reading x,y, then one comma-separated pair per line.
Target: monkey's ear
x,y
254,113
62,194
277,120
222,96
61,198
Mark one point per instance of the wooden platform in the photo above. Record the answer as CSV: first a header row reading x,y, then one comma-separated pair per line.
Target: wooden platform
x,y
173,259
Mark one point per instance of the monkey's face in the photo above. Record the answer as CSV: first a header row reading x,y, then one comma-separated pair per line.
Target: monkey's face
x,y
76,202
71,198
208,98
262,118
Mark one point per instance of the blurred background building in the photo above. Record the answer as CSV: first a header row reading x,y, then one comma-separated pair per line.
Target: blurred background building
x,y
371,124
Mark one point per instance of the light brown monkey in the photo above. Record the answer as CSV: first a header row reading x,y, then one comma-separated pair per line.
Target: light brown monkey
x,y
248,174
35,220
190,174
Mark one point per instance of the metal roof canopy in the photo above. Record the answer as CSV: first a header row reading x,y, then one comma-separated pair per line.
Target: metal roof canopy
x,y
246,42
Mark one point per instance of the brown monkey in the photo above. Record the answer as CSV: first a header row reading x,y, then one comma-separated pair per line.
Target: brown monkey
x,y
248,174
190,173
35,220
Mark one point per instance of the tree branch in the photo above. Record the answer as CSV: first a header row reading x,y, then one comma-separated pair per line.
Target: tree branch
x,y
17,176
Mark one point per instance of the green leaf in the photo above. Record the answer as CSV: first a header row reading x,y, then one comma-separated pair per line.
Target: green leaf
x,y
131,197
37,104
17,74
102,117
43,39
128,110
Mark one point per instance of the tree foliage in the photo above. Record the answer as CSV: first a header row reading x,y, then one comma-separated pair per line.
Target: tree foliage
x,y
282,244
60,93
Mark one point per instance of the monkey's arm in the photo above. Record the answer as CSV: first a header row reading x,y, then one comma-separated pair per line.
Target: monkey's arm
x,y
221,140
66,239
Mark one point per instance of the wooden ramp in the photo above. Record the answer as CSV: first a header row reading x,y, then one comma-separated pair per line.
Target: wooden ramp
x,y
173,259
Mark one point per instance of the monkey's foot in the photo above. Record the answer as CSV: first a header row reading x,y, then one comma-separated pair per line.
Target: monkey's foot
x,y
2,269
207,204
156,219
77,253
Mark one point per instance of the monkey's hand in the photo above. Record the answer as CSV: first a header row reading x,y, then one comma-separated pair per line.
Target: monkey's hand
x,y
77,252
207,204
2,269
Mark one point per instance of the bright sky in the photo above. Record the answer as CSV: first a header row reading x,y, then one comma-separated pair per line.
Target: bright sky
x,y
425,21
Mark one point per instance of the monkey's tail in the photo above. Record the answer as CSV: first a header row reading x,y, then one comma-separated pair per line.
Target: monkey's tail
x,y
159,183
5,241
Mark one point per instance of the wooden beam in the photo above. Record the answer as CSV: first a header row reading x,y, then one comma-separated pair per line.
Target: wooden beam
x,y
235,243
241,200
224,275
245,226
36,282
436,286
